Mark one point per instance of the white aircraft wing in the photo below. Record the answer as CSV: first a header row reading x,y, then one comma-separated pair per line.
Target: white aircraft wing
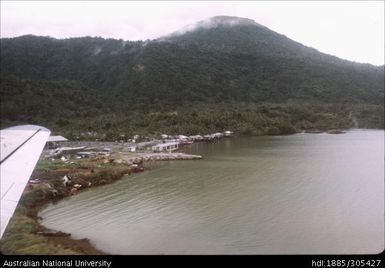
x,y
20,150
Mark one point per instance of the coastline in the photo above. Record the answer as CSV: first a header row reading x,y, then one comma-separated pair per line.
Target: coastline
x,y
117,167
37,197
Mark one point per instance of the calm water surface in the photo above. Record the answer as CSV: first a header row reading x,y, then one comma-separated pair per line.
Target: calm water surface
x,y
304,193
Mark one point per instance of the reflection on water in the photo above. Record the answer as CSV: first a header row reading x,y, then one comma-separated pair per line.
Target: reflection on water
x,y
304,193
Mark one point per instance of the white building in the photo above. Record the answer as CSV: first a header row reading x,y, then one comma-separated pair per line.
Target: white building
x,y
131,148
56,139
196,138
164,136
217,135
53,142
182,137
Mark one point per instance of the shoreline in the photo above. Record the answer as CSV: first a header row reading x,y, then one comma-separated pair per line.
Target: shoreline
x,y
84,245
133,163
116,168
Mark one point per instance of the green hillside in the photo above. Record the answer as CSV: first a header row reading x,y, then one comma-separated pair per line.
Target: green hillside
x,y
222,73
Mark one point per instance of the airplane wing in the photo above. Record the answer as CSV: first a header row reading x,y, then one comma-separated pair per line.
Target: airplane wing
x,y
20,150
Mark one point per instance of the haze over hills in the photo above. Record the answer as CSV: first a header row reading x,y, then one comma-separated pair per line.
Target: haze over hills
x,y
228,60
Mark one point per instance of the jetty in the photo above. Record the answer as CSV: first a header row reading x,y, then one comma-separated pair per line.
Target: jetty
x,y
139,157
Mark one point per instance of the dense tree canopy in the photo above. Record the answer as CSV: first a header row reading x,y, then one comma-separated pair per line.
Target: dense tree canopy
x,y
241,76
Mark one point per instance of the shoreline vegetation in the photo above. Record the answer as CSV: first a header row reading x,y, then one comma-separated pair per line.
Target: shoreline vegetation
x,y
25,235
193,119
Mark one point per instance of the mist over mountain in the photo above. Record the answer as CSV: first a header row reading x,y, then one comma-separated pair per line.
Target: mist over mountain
x,y
220,60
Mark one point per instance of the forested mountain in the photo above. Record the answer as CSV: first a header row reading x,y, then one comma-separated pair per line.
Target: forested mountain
x,y
223,61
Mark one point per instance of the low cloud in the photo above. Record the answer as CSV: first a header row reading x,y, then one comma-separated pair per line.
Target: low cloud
x,y
350,30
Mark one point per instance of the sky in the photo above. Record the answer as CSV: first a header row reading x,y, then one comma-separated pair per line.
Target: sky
x,y
352,30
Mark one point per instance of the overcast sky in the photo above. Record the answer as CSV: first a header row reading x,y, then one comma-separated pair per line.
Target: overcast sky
x,y
350,30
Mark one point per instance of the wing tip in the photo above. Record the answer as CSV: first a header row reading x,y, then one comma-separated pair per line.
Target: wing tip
x,y
28,127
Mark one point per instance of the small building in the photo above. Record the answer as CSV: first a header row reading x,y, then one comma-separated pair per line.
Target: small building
x,y
208,137
86,154
164,136
53,142
182,137
56,139
218,135
131,148
196,138
66,150
168,146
